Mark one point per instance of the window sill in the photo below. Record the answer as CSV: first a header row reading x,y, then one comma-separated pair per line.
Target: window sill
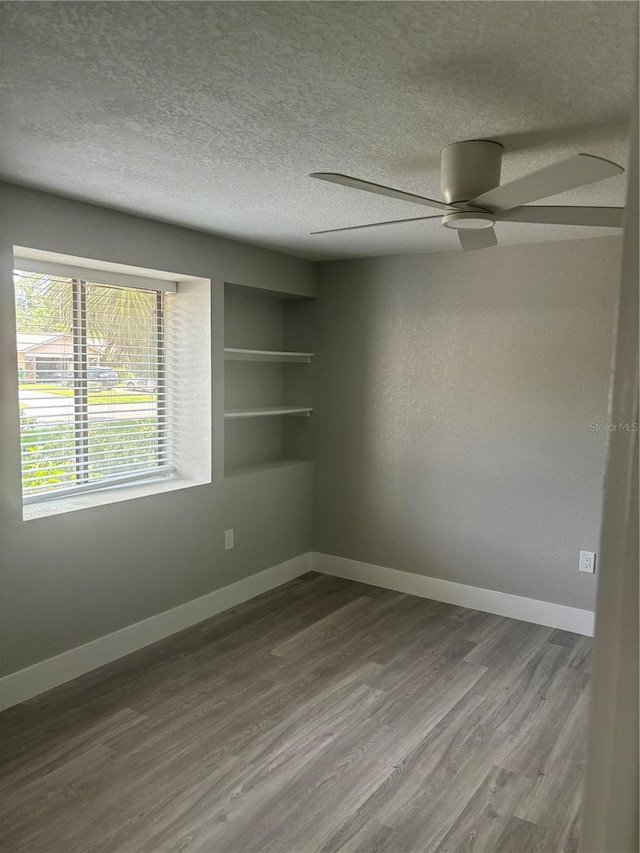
x,y
114,494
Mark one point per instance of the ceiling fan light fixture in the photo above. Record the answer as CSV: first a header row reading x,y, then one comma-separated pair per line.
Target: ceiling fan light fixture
x,y
474,198
468,220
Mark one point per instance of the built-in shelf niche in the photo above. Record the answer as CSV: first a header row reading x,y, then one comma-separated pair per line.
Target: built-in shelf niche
x,y
267,379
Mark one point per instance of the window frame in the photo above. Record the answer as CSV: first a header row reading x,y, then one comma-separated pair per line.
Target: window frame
x,y
198,300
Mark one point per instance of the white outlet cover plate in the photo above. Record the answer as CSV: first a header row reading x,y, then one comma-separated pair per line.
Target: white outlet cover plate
x,y
587,562
228,540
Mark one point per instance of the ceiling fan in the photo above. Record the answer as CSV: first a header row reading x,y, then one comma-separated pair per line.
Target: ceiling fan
x,y
474,199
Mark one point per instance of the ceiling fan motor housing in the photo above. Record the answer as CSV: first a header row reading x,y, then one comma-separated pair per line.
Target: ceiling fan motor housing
x,y
468,169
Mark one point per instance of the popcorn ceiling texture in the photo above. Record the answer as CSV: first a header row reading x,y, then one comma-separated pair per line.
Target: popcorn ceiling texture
x,y
211,115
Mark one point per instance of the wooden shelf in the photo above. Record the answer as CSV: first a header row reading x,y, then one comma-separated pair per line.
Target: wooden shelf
x,y
268,411
233,354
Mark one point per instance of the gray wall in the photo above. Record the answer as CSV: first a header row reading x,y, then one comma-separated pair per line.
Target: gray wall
x,y
70,578
453,400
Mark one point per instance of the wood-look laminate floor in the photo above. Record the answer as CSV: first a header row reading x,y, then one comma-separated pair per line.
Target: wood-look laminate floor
x,y
323,716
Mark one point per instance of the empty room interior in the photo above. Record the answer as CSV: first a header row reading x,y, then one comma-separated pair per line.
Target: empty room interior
x,y
319,450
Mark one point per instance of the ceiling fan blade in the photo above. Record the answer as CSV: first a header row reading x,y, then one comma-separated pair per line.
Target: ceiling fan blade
x,y
375,224
483,238
605,217
378,189
566,175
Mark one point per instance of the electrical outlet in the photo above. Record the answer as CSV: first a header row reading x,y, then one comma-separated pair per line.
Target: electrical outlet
x,y
228,539
587,562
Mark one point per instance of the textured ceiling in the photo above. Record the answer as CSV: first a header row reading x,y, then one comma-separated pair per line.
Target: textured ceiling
x,y
211,115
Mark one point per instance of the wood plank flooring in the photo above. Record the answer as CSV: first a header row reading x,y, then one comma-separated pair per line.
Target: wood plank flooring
x,y
323,716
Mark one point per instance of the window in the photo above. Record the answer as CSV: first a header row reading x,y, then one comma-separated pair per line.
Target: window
x,y
94,382
114,381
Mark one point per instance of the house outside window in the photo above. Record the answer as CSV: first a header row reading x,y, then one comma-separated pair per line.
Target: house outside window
x,y
42,356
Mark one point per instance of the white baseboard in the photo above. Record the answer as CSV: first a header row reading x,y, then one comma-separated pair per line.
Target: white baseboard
x,y
26,683
47,674
488,600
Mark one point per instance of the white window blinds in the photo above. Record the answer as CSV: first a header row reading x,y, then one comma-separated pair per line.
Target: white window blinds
x,y
93,362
